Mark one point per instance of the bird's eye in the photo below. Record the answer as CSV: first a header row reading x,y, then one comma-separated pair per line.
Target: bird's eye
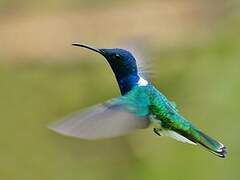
x,y
116,56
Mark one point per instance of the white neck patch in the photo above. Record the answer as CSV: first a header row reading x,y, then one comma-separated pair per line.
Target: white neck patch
x,y
142,82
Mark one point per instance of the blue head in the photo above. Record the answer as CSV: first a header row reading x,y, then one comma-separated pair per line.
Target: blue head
x,y
123,65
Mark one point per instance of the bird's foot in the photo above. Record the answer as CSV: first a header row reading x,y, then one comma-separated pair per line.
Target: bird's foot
x,y
156,131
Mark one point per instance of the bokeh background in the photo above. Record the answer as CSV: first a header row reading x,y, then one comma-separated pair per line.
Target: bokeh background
x,y
194,47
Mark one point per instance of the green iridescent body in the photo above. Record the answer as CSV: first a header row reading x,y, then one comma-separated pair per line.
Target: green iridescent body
x,y
163,114
147,100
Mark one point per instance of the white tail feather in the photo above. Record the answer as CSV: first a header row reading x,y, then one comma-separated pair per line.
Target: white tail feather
x,y
176,136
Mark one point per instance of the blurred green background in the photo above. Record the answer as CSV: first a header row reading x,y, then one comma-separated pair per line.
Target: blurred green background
x,y
195,50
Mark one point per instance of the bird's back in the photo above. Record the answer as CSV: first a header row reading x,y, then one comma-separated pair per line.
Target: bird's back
x,y
166,111
168,121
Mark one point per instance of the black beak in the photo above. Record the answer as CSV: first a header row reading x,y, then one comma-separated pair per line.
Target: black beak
x,y
89,47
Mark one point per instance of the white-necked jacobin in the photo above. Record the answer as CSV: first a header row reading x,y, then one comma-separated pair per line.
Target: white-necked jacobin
x,y
139,105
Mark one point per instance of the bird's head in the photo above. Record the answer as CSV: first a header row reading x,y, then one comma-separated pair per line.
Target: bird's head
x,y
121,61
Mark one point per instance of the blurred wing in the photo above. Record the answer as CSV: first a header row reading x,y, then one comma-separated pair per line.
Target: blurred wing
x,y
101,121
137,48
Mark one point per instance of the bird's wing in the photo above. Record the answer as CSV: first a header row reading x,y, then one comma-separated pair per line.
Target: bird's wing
x,y
107,120
144,63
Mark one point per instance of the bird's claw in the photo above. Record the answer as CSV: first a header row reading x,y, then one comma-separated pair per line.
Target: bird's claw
x,y
156,131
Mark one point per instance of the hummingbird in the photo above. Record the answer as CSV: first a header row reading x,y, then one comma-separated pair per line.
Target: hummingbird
x,y
139,106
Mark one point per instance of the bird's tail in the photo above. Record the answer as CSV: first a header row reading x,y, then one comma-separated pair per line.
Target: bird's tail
x,y
211,144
